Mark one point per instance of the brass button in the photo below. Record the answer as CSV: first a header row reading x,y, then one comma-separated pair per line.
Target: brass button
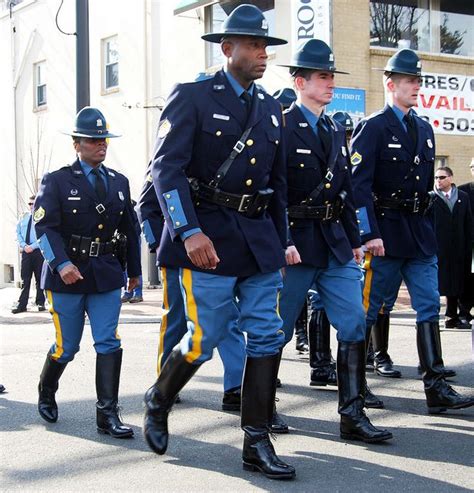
x,y
177,223
249,142
292,224
417,177
301,165
74,211
100,226
248,182
357,211
168,195
39,240
358,221
328,185
218,133
171,209
361,231
97,239
121,212
253,161
277,142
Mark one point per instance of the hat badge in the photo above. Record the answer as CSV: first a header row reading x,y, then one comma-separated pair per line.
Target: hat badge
x,y
99,122
418,64
264,24
331,57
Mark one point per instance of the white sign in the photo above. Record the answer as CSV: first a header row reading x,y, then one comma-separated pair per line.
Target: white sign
x,y
446,102
310,19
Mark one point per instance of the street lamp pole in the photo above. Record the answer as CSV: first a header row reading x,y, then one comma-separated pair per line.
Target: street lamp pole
x,y
83,96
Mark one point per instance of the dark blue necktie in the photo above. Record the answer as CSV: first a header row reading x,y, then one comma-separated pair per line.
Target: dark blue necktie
x,y
99,185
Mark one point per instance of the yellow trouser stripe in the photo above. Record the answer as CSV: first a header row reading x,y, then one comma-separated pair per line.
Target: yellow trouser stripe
x,y
191,310
57,325
367,280
164,320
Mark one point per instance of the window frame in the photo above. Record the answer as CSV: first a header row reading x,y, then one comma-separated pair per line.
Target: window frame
x,y
105,42
39,73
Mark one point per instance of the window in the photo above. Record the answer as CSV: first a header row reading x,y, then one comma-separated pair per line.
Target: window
x,y
441,161
40,84
217,13
111,63
435,26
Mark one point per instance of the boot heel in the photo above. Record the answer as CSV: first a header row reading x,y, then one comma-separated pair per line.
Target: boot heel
x,y
101,431
436,410
249,467
348,436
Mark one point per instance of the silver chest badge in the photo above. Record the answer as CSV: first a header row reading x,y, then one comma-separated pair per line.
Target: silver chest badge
x,y
430,144
121,197
275,121
395,139
73,191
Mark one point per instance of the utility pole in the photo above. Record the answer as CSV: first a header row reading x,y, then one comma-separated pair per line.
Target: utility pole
x,y
83,96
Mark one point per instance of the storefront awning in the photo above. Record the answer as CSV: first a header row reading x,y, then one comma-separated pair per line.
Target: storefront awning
x,y
185,5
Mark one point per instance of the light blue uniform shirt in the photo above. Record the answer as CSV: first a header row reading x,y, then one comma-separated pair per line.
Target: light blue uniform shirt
x,y
21,231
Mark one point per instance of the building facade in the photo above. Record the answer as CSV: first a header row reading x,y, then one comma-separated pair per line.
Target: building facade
x,y
139,49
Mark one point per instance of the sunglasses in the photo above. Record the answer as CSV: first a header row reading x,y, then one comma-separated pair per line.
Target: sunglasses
x,y
30,203
440,177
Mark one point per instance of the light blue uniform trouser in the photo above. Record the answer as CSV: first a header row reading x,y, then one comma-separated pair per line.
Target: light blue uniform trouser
x,y
68,310
210,304
421,278
339,289
174,326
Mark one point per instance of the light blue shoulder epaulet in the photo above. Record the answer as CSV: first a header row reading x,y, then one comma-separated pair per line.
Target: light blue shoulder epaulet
x,y
202,76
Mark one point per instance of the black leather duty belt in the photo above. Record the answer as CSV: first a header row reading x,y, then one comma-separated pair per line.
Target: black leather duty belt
x,y
329,212
411,206
83,247
252,205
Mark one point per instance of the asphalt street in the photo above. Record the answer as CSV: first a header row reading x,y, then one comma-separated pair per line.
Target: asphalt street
x,y
428,453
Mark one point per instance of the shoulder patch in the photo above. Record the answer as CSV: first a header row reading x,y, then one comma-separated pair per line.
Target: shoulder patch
x,y
39,214
164,129
356,158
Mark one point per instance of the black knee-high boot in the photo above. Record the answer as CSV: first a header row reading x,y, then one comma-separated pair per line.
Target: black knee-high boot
x,y
383,364
107,380
48,385
355,425
277,425
301,330
159,399
371,400
258,397
439,395
322,369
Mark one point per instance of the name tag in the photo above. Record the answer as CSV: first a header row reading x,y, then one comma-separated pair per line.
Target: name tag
x,y
394,146
220,117
74,198
303,151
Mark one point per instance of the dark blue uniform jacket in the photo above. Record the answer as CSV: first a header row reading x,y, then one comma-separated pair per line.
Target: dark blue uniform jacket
x,y
382,156
66,205
199,126
307,167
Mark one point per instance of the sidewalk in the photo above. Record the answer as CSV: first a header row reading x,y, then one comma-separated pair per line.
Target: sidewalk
x,y
148,311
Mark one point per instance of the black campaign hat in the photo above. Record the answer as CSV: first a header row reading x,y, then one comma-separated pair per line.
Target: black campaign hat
x,y
245,20
285,97
344,119
315,54
405,62
91,123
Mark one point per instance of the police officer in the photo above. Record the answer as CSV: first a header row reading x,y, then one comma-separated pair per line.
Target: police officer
x,y
219,175
173,322
393,154
78,211
31,261
324,243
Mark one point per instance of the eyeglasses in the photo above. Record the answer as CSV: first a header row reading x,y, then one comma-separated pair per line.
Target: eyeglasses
x,y
31,203
440,177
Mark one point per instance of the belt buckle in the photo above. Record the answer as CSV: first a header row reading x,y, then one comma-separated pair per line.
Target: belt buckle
x,y
94,249
100,208
243,207
328,214
416,205
239,146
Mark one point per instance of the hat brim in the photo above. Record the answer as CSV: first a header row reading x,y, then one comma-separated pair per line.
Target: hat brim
x,y
316,69
217,38
421,74
108,135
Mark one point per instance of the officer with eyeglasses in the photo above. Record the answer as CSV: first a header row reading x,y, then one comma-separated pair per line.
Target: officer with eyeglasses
x,y
393,153
31,261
